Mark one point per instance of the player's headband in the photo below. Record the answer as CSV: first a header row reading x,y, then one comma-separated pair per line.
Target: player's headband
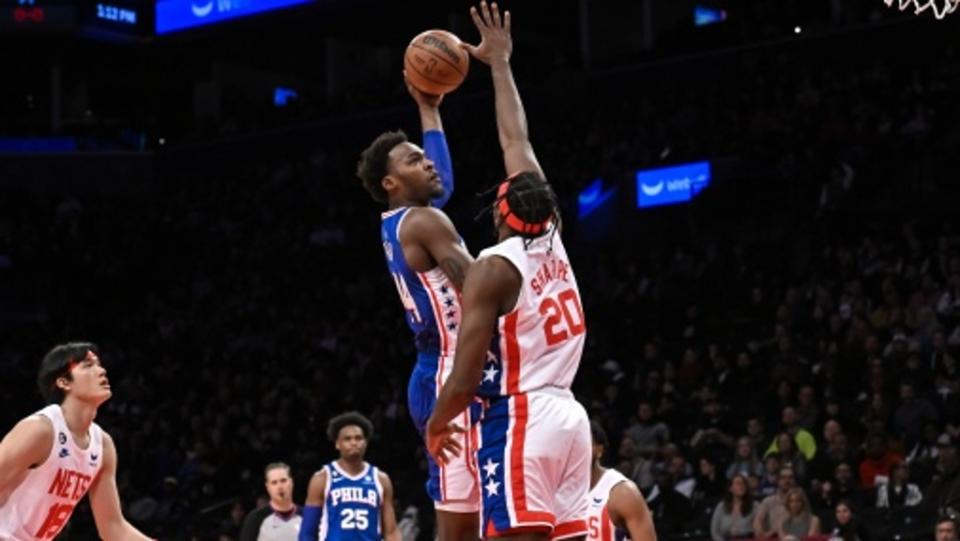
x,y
513,221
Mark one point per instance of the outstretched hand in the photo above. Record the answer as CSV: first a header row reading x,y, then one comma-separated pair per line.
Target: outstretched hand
x,y
495,41
431,101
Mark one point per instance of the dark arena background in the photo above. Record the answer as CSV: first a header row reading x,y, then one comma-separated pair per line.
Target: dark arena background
x,y
760,198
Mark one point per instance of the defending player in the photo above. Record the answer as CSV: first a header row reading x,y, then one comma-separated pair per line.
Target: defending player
x,y
427,261
617,508
51,459
534,456
349,499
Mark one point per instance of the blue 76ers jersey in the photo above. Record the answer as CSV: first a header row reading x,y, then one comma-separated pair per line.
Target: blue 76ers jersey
x,y
351,505
431,301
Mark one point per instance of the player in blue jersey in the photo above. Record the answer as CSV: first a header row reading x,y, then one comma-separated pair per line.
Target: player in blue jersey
x,y
427,262
349,499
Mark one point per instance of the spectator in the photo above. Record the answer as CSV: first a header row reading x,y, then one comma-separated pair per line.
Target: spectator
x,y
878,461
912,414
773,509
790,456
842,487
846,526
946,530
799,521
670,508
647,433
733,517
768,483
805,441
745,461
896,491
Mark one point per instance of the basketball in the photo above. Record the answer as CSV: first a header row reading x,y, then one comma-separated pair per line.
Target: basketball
x,y
435,62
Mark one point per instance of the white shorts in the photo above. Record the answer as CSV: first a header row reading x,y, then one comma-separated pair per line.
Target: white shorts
x,y
534,465
452,486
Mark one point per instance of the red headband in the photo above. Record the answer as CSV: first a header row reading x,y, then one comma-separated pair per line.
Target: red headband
x,y
512,220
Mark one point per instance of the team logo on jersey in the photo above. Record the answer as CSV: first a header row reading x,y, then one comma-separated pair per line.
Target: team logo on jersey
x,y
598,501
388,249
62,438
64,453
93,459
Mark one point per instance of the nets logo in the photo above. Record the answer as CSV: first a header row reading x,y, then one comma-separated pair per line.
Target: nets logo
x,y
671,185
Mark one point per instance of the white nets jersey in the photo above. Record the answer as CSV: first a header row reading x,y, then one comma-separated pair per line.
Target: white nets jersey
x,y
40,506
541,340
598,521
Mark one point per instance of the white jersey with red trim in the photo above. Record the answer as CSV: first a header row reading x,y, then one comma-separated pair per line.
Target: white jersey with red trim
x,y
598,521
541,340
40,506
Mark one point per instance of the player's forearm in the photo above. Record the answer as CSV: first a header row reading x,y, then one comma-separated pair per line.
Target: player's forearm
x,y
435,147
430,118
393,535
511,118
310,525
454,397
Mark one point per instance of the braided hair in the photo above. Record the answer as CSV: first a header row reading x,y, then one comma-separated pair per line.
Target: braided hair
x,y
528,206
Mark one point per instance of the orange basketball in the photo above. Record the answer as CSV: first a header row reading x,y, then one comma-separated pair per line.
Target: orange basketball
x,y
435,62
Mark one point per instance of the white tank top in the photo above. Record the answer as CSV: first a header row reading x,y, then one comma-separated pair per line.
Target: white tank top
x,y
40,506
541,340
598,518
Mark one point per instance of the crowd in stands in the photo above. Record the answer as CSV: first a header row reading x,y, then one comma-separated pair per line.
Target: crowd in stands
x,y
794,372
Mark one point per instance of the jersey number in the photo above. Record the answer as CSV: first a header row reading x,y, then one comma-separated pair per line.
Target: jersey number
x,y
56,517
354,519
564,317
405,297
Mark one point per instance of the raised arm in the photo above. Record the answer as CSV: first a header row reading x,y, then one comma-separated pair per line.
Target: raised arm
x,y
313,508
434,141
495,47
105,501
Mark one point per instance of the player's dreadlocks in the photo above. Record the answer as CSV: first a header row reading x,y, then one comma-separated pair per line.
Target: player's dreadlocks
x,y
528,205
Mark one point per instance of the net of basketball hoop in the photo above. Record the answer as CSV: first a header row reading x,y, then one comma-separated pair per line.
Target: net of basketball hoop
x,y
940,8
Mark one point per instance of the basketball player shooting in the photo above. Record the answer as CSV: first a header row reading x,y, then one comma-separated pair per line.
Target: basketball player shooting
x,y
534,455
51,459
427,261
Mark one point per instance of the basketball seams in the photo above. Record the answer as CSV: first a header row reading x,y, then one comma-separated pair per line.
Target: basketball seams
x,y
441,57
443,84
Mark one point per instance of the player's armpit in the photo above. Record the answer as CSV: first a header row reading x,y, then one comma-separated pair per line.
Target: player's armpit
x,y
628,509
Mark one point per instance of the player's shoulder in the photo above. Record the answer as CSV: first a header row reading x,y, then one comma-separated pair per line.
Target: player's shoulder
x,y
382,476
623,487
424,217
34,427
423,224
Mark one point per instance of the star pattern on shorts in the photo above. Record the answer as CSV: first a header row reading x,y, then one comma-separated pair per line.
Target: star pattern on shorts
x,y
493,488
490,373
490,468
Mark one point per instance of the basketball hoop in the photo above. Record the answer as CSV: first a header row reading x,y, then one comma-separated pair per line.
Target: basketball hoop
x,y
941,8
